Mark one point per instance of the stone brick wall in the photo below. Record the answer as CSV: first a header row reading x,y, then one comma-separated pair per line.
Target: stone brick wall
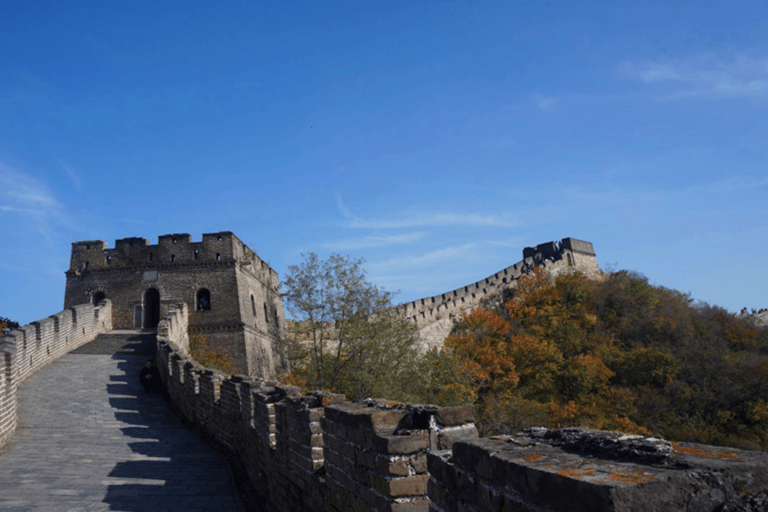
x,y
244,312
7,392
584,470
175,326
317,451
434,315
377,452
25,350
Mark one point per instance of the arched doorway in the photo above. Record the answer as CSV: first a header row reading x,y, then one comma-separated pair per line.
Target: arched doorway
x,y
203,299
98,297
151,308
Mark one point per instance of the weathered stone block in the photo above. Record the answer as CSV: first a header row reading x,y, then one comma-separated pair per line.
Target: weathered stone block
x,y
528,466
454,416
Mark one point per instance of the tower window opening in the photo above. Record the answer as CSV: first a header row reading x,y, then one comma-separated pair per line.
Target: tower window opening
x,y
203,299
253,305
218,257
266,314
109,260
173,257
197,253
151,256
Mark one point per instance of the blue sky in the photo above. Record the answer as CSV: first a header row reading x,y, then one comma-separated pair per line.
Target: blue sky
x,y
434,139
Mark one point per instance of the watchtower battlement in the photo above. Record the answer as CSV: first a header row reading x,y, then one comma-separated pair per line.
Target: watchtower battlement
x,y
177,249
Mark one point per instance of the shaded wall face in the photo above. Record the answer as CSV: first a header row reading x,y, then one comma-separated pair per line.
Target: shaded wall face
x,y
127,289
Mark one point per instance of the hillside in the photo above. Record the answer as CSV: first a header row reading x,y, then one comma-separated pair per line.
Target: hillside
x,y
614,354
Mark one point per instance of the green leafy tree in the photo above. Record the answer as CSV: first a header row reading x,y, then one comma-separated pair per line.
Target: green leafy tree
x,y
347,336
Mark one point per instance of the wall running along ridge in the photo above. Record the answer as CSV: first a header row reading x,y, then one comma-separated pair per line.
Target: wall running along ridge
x,y
319,452
25,350
434,316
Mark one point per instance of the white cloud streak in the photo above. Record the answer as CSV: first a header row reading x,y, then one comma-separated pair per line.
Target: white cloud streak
x,y
706,76
545,103
418,220
23,194
459,253
72,175
373,241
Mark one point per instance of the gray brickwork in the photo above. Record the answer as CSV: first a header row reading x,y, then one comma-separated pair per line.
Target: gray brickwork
x,y
231,295
89,438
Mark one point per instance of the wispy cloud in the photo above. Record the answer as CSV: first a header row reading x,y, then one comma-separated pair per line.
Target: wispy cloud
x,y
23,194
706,76
72,175
458,253
373,241
545,103
438,219
428,219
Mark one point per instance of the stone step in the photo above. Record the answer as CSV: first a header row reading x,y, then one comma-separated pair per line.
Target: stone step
x,y
121,342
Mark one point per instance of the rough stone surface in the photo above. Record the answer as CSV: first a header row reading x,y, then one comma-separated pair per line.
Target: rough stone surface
x,y
587,470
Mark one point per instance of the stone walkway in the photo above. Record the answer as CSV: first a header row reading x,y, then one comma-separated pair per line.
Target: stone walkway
x,y
89,438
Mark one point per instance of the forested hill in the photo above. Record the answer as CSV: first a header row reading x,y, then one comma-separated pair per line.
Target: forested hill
x,y
615,354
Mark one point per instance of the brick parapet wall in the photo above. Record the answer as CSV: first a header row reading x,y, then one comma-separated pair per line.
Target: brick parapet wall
x,y
25,350
7,391
174,327
584,470
317,451
376,452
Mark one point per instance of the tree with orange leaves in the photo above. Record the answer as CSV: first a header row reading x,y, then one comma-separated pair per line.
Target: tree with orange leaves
x,y
540,356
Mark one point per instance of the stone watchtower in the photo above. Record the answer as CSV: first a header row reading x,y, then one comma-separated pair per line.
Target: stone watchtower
x,y
232,296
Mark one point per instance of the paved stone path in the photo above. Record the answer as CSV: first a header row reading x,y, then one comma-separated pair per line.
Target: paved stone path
x,y
89,438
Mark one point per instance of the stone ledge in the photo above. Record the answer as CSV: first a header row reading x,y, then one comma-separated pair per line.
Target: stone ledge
x,y
594,471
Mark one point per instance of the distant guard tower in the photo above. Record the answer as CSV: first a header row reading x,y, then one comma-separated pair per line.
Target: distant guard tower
x,y
232,296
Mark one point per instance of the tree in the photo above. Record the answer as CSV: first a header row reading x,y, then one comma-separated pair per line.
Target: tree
x,y
7,325
347,336
207,356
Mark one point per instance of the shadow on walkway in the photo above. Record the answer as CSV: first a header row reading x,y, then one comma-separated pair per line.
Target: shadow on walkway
x,y
170,469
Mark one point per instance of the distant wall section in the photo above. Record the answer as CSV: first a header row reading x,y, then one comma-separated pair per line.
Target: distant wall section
x,y
435,315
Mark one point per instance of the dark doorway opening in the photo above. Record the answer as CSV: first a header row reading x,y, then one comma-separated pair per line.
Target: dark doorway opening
x,y
151,308
98,297
203,299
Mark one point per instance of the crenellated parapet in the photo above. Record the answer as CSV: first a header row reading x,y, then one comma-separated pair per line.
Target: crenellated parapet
x,y
434,315
177,250
320,452
25,350
316,451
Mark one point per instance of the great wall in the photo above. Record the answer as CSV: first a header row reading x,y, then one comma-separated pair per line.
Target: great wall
x,y
321,452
